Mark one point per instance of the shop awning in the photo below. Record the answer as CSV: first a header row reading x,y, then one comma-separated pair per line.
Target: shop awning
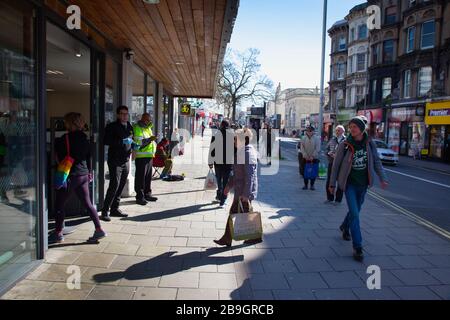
x,y
179,43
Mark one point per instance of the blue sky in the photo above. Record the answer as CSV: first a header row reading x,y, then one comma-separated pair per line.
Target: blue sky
x,y
289,35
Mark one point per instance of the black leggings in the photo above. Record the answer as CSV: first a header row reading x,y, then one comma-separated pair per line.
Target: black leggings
x,y
79,185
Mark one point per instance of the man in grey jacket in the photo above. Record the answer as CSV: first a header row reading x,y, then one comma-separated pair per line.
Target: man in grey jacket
x,y
354,168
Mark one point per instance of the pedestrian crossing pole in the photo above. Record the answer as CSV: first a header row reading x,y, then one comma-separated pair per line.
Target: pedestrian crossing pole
x,y
322,168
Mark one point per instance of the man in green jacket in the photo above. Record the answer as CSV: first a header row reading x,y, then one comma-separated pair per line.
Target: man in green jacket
x,y
143,136
354,168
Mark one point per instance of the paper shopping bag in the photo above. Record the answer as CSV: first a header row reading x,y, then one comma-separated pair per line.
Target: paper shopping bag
x,y
246,225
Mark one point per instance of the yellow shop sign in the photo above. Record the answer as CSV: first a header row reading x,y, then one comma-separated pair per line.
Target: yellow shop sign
x,y
438,113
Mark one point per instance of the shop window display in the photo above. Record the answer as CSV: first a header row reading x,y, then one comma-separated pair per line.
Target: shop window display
x,y
437,139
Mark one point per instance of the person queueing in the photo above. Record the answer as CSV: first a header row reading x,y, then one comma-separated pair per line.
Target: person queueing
x,y
118,136
354,169
143,136
331,148
75,145
219,156
310,149
163,159
245,182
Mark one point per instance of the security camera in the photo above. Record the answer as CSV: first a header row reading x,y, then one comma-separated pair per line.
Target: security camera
x,y
129,53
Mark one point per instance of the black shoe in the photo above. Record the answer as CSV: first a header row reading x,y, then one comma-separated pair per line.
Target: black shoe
x,y
305,188
105,217
253,241
150,198
345,234
118,213
223,242
312,188
358,254
141,202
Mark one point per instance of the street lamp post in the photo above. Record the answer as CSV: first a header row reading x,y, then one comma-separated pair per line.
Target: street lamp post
x,y
322,79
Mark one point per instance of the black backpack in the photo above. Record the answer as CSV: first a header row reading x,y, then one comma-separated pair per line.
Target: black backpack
x,y
173,177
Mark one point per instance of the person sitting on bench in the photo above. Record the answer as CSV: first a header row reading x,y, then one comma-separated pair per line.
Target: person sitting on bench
x,y
163,159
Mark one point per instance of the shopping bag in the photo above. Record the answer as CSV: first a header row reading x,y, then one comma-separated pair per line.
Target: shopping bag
x,y
311,170
245,225
63,169
323,171
211,181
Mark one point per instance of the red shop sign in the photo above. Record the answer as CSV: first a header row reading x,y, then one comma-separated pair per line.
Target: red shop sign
x,y
372,115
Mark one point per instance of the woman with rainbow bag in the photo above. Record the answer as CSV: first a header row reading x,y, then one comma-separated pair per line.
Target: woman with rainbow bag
x,y
73,173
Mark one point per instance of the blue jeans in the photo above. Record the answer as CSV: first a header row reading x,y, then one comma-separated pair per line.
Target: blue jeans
x,y
355,199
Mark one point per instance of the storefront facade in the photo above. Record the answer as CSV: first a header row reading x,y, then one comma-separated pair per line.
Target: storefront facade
x,y
344,116
406,129
376,123
437,119
48,70
21,219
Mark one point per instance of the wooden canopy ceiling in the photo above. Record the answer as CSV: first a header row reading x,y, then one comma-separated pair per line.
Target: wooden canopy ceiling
x,y
180,43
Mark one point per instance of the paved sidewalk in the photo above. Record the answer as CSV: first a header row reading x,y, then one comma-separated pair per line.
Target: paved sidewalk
x,y
165,250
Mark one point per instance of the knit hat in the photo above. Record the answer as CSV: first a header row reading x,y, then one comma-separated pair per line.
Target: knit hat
x,y
360,122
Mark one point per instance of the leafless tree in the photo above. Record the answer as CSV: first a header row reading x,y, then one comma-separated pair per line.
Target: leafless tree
x,y
240,80
223,100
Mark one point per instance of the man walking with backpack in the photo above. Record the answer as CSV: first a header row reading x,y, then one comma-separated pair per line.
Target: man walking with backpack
x,y
221,156
354,169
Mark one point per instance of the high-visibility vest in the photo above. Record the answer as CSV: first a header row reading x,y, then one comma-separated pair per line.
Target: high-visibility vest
x,y
141,134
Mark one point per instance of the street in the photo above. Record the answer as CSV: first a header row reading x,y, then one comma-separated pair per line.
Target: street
x,y
422,192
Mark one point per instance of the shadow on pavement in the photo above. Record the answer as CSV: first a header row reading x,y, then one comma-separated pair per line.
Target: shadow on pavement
x,y
169,263
171,213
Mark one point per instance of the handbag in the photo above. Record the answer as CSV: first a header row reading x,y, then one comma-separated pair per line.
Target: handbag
x,y
211,181
245,225
311,170
64,167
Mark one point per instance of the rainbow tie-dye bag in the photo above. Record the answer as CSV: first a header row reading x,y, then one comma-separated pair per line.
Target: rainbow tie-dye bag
x,y
64,167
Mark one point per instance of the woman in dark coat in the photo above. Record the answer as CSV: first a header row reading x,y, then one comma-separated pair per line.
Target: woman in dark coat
x,y
80,174
245,181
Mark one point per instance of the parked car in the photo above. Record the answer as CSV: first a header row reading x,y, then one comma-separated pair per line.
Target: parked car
x,y
387,155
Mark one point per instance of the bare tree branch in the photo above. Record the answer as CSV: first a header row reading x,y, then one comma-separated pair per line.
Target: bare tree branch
x,y
240,80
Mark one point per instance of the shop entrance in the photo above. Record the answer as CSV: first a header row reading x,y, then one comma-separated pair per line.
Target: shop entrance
x,y
72,87
405,138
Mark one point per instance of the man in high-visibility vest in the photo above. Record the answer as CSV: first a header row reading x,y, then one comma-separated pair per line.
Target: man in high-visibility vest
x,y
144,137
